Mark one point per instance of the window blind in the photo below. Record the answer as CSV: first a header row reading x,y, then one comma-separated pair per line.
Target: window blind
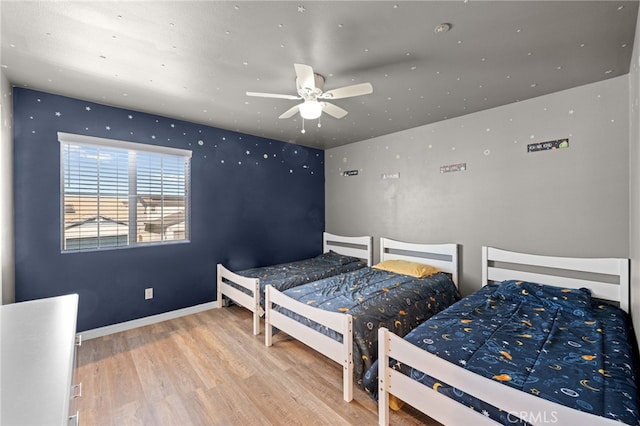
x,y
121,194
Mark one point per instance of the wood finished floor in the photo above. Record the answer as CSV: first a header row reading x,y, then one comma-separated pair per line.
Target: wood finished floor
x,y
209,369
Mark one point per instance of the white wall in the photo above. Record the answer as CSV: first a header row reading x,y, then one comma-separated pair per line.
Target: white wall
x,y
634,180
572,201
7,271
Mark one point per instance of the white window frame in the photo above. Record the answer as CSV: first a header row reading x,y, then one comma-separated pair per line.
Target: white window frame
x,y
130,148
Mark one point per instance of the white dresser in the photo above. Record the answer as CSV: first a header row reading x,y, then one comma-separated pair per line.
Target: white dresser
x,y
37,362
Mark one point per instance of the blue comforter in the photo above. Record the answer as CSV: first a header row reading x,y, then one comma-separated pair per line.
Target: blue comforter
x,y
288,275
376,298
557,344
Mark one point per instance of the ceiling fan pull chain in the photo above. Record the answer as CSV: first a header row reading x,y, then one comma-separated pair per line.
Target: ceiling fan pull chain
x,y
303,130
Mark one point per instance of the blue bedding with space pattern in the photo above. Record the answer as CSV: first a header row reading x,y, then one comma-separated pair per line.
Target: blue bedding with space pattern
x,y
558,344
291,274
375,298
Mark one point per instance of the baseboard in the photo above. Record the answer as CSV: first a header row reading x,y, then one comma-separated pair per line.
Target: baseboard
x,y
140,322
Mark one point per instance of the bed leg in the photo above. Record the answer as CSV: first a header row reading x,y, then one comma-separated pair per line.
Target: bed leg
x,y
219,286
267,316
347,393
256,308
256,323
347,373
383,365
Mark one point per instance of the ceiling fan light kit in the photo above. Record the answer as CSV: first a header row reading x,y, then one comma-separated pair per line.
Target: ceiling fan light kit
x,y
310,89
310,110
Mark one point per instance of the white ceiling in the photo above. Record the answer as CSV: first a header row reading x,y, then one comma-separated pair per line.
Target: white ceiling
x,y
194,60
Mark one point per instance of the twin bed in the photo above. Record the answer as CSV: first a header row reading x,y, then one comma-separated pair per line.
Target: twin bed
x,y
339,316
246,288
514,352
517,352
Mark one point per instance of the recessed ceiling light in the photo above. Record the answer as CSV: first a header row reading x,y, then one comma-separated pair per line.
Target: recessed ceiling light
x,y
442,28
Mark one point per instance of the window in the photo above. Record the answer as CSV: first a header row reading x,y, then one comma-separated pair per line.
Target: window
x,y
122,194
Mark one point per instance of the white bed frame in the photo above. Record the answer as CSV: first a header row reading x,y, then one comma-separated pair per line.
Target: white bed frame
x,y
441,256
361,247
497,265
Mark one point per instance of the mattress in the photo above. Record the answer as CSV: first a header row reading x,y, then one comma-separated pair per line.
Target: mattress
x,y
557,344
376,298
291,274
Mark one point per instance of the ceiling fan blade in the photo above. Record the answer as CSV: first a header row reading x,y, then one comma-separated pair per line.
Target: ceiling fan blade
x,y
273,95
348,91
333,110
306,77
290,112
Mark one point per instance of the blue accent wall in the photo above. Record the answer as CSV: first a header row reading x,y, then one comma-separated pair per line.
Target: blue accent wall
x,y
255,202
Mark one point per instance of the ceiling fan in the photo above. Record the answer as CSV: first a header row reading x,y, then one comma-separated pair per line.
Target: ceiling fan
x,y
309,86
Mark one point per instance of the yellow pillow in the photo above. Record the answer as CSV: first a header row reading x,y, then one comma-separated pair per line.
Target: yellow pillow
x,y
395,403
406,267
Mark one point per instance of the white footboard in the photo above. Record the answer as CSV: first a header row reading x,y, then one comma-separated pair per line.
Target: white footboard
x,y
250,300
340,352
516,403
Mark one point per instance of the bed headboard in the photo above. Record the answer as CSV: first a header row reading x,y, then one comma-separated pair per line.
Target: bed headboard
x,y
441,256
361,247
607,278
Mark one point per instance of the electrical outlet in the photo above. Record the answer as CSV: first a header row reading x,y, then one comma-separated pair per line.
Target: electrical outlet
x,y
148,293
